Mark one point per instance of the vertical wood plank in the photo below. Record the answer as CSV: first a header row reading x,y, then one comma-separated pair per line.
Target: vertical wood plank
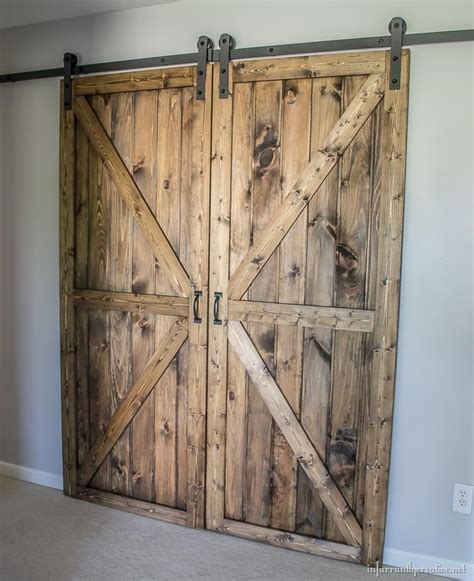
x,y
121,280
349,349
168,215
241,215
265,200
67,250
145,130
295,138
194,254
218,282
387,307
99,279
370,302
81,204
320,277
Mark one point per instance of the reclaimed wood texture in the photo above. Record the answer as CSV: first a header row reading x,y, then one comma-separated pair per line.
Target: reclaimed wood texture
x,y
293,541
135,81
300,184
307,184
294,434
325,65
67,280
392,197
297,315
140,221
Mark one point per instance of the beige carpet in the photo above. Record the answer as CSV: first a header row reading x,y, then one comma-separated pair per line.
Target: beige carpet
x,y
47,536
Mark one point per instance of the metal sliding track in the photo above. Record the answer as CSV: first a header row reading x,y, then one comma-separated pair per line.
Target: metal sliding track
x,y
395,41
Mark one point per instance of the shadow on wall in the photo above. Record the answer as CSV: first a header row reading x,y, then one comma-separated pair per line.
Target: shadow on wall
x,y
30,432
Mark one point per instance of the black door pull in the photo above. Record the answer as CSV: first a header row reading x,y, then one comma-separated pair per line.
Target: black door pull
x,y
217,300
197,296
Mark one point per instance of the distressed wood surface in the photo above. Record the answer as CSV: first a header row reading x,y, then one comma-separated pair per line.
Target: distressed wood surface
x,y
387,307
293,541
121,280
67,321
140,507
132,302
240,239
145,131
296,437
81,212
195,180
218,279
307,184
99,265
130,192
135,81
168,197
134,399
350,285
302,315
320,276
325,65
266,167
295,141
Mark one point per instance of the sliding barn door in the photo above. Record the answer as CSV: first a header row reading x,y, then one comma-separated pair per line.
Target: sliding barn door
x,y
135,206
308,161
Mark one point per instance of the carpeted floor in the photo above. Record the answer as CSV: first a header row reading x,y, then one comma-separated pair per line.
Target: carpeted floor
x,y
47,536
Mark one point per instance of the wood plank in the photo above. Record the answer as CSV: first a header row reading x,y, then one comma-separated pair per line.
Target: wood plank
x,y
140,507
218,280
266,185
143,282
130,192
302,447
67,321
295,141
134,399
320,276
292,541
308,184
121,281
81,212
337,318
324,65
99,262
132,302
349,349
387,305
168,193
146,80
243,136
194,252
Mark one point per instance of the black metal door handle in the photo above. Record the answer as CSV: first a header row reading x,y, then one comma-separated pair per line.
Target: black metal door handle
x,y
217,300
197,296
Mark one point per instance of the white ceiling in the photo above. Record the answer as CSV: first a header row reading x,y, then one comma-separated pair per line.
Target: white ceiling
x,y
21,12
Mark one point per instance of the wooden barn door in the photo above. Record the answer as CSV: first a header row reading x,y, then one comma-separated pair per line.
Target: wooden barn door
x,y
135,206
307,184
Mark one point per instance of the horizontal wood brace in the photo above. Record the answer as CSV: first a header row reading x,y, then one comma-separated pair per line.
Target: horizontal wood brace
x,y
131,302
292,541
302,315
141,507
136,81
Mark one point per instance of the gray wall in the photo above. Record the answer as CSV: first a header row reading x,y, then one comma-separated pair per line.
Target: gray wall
x,y
432,443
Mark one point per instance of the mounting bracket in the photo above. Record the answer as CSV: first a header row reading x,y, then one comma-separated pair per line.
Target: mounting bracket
x,y
397,29
204,49
225,43
70,63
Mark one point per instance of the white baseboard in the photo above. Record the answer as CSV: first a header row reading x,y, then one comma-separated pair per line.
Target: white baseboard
x,y
433,565
31,475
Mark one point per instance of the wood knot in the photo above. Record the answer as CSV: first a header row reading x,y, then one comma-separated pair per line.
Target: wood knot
x,y
291,95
